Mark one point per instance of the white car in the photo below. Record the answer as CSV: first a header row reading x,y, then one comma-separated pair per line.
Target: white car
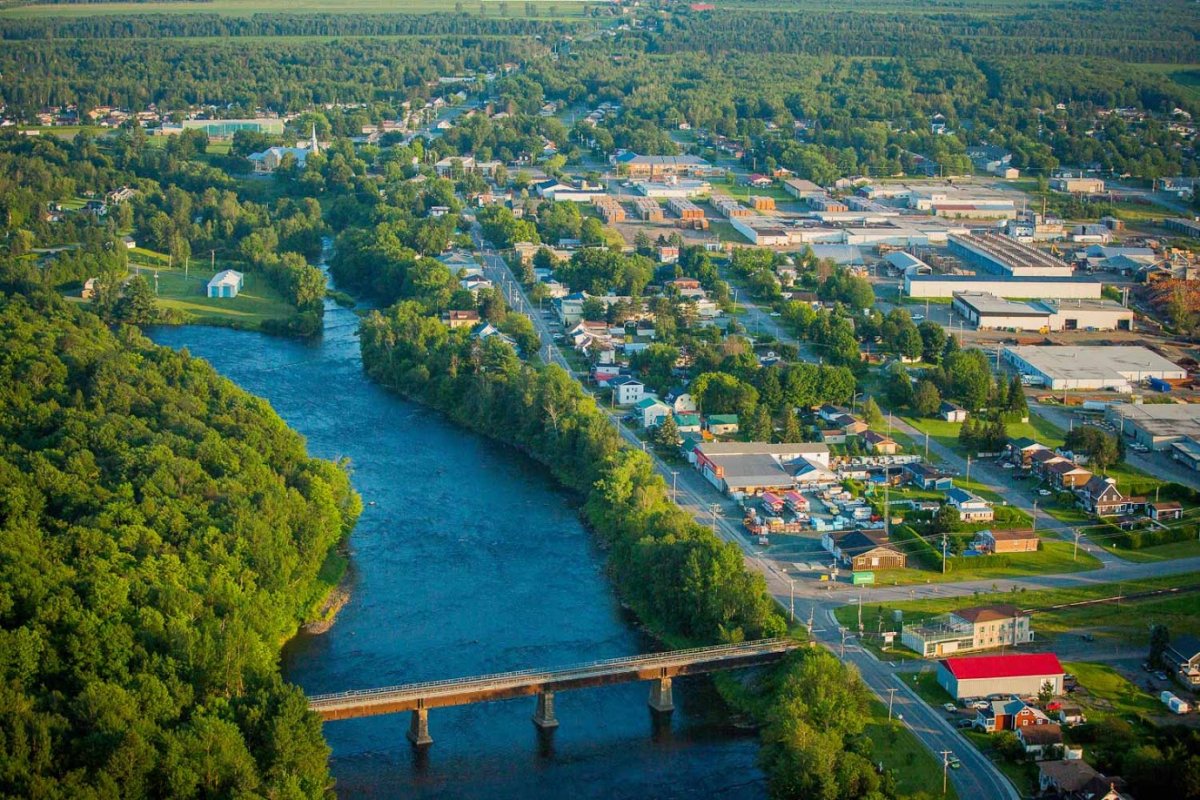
x,y
1045,492
918,317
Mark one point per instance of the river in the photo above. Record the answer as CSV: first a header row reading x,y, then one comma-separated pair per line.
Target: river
x,y
469,559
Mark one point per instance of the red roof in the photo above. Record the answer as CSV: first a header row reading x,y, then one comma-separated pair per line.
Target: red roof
x,y
1011,666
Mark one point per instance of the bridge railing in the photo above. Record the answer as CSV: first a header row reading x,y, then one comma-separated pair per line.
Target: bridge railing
x,y
630,661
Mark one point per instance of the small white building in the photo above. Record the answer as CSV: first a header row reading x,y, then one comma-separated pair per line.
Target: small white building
x,y
226,283
627,390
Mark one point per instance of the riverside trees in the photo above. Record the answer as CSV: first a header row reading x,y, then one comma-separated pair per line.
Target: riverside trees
x,y
161,532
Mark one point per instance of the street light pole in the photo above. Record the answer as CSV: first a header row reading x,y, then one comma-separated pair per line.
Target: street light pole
x,y
792,600
674,493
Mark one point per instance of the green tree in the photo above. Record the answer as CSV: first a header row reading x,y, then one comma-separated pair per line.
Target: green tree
x,y
871,413
927,399
667,434
137,305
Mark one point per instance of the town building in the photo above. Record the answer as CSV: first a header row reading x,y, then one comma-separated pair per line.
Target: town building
x,y
1156,425
952,412
461,319
802,189
1041,741
1054,288
930,478
1090,367
1008,715
863,550
652,411
1182,655
1017,673
967,630
1075,779
755,467
988,312
226,283
1100,496
880,444
1010,541
637,166
1080,185
1002,255
1165,511
722,424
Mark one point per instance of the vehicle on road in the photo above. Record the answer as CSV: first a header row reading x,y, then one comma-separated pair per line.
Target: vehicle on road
x,y
1045,492
776,314
918,317
950,707
1087,637
953,762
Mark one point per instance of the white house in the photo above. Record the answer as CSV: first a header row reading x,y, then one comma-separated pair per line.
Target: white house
x,y
226,283
971,507
653,411
627,390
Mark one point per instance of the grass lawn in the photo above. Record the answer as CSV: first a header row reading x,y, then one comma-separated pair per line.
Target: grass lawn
x,y
946,433
1053,557
916,769
1023,774
1110,693
1163,552
1127,622
255,304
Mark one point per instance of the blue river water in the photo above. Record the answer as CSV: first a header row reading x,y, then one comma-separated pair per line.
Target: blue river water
x,y
468,559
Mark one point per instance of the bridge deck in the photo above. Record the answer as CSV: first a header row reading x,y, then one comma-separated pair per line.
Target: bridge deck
x,y
521,683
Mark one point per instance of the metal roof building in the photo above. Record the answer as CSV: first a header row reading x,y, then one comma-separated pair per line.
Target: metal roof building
x,y
980,676
1091,367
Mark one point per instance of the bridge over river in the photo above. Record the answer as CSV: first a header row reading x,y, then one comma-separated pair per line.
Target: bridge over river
x,y
657,668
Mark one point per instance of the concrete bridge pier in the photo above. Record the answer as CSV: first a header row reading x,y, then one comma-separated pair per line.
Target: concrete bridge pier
x,y
418,728
661,699
543,715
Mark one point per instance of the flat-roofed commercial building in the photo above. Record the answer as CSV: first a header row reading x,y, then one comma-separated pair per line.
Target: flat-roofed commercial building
x,y
980,676
917,285
977,628
1005,256
1156,425
753,467
1091,367
989,312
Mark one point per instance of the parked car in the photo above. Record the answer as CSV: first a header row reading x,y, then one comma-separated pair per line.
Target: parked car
x,y
918,317
1045,492
1162,676
965,723
950,707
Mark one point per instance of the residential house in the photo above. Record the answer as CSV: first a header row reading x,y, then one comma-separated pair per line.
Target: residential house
x,y
627,390
832,436
967,630
487,330
682,403
1021,450
226,283
1071,779
971,507
1041,741
1070,714
863,550
952,412
473,283
1008,715
652,410
879,444
687,423
1183,656
1100,496
1041,460
90,287
852,425
722,424
1012,541
928,477
1066,474
828,413
460,319
1164,512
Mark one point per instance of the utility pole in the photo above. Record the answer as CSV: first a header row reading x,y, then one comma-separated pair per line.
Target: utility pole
x,y
945,769
968,469
943,554
674,479
926,445
1075,552
811,611
860,625
792,601
1035,502
212,260
891,697
715,508
843,654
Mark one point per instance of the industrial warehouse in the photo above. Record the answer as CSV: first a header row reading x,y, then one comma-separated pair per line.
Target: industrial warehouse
x,y
988,312
1004,256
754,467
1060,288
1113,367
1156,425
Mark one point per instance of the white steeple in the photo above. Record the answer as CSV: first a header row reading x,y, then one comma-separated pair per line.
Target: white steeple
x,y
314,146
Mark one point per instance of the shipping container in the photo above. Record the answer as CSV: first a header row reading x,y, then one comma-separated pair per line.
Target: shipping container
x,y
1159,385
1177,706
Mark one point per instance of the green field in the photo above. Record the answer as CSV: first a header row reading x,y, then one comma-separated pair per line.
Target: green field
x,y
1054,557
946,433
1110,693
1126,622
1163,552
254,305
546,8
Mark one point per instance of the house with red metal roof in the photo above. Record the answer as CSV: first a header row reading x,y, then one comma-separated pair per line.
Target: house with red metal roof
x,y
1016,673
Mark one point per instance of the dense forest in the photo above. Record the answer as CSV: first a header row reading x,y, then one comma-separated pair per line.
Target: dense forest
x,y
161,532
